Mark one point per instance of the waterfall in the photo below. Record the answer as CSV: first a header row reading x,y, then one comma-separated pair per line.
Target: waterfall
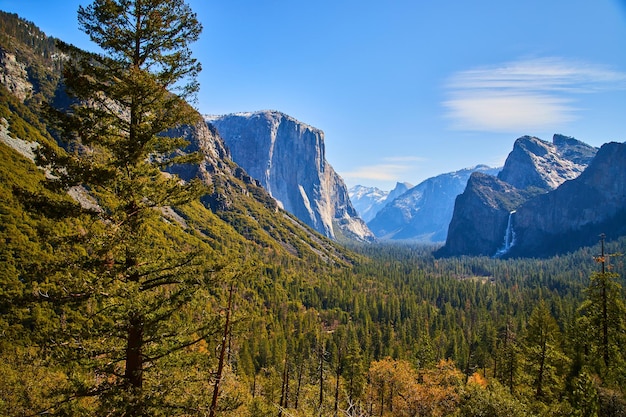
x,y
509,236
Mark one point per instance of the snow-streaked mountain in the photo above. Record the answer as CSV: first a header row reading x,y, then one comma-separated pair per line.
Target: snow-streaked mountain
x,y
537,163
288,158
423,213
368,201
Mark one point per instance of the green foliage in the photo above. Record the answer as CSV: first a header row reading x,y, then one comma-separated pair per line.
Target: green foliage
x,y
21,121
585,396
120,285
492,401
393,299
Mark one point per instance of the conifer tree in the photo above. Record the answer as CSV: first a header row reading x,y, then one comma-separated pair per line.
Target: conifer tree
x,y
128,280
354,368
507,357
603,320
545,361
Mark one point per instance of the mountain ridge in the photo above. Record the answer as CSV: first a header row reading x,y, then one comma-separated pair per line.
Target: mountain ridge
x,y
537,163
577,212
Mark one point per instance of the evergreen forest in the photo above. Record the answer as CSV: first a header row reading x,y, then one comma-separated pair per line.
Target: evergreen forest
x,y
126,291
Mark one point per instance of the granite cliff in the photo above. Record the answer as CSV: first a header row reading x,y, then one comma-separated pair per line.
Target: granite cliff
x,y
480,216
287,157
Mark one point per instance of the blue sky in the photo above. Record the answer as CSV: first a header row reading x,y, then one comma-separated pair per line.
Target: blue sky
x,y
407,89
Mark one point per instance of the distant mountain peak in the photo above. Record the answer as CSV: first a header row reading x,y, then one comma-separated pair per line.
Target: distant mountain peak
x,y
574,150
368,201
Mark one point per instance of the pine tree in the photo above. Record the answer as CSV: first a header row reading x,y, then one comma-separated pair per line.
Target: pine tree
x,y
508,357
424,352
604,313
545,361
354,368
128,282
603,320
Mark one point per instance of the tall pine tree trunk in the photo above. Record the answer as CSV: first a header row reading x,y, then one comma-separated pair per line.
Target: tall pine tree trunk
x,y
134,356
300,372
337,373
134,339
284,391
321,365
542,364
220,365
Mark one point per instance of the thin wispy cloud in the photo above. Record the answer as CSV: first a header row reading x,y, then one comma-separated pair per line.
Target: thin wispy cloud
x,y
404,159
392,169
529,94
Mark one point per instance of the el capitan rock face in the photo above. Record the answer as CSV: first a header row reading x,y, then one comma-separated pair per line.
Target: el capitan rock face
x,y
288,158
531,185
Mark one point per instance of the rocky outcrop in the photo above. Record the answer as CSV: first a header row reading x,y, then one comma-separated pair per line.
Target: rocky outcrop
x,y
216,169
13,76
202,138
483,223
287,157
30,64
424,212
574,150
